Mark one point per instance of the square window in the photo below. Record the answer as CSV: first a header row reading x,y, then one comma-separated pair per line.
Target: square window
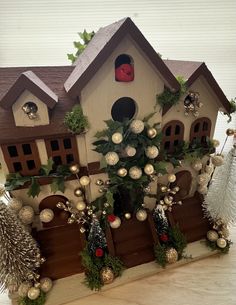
x,y
30,164
17,166
67,143
57,160
69,158
26,149
54,145
12,150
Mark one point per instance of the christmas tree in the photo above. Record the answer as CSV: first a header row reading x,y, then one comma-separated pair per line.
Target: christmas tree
x,y
220,201
96,239
19,253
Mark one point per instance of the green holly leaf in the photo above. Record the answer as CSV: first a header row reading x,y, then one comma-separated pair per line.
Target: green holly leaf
x,y
48,167
34,189
58,185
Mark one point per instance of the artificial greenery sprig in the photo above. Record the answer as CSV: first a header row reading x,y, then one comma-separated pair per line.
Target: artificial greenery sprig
x,y
75,120
61,172
41,299
168,98
213,246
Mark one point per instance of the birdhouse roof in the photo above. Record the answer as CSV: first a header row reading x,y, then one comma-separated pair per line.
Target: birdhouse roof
x,y
102,45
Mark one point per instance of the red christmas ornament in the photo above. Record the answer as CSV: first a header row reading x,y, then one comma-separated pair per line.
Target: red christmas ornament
x,y
164,237
99,252
111,217
124,73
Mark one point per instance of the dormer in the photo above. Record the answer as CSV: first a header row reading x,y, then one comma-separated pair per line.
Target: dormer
x,y
30,100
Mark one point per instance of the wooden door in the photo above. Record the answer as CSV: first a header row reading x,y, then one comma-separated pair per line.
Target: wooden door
x,y
133,242
60,242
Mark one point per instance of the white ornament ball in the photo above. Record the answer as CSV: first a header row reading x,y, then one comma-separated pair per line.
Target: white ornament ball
x,y
171,178
112,158
130,151
33,293
197,165
46,215
137,126
152,152
141,215
203,179
212,235
15,204
117,138
81,205
26,214
24,288
148,169
46,284
116,223
221,243
84,180
217,160
202,189
135,172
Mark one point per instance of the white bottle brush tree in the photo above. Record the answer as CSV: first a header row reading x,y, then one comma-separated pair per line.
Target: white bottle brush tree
x,y
19,254
220,201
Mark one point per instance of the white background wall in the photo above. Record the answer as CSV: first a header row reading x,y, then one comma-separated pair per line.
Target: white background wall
x,y
41,32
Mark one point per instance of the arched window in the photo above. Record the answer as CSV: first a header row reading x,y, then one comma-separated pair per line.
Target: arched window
x,y
173,135
124,68
123,108
200,130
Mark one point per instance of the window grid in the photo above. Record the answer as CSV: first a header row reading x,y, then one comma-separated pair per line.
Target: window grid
x,y
22,157
173,135
200,129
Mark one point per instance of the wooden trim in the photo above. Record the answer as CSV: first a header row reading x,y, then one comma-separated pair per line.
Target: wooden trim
x,y
94,168
110,243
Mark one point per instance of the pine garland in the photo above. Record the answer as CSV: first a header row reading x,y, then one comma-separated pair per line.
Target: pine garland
x,y
41,299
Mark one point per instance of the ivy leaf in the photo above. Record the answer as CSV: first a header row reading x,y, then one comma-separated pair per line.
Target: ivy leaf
x,y
103,163
58,184
101,133
15,180
71,57
109,197
148,117
48,167
34,189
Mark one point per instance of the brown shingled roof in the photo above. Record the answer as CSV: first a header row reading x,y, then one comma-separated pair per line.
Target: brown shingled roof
x,y
30,81
53,77
102,45
191,70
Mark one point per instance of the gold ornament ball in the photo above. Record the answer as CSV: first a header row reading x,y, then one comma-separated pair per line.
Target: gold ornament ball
x,y
215,143
26,214
24,288
168,200
127,216
116,223
163,189
197,165
117,138
149,169
152,152
99,182
78,192
230,132
122,172
203,179
74,169
141,215
212,235
107,275
81,205
221,243
217,160
112,158
46,215
33,293
137,126
151,133
15,204
130,151
46,284
176,189
171,178
84,180
171,256
135,172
